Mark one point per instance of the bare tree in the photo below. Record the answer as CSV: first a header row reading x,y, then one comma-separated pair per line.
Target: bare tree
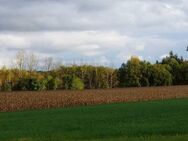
x,y
57,63
32,62
48,63
20,60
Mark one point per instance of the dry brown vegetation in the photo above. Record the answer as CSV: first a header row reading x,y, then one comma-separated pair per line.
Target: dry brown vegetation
x,y
13,101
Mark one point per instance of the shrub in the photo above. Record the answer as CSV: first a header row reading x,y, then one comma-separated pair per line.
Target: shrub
x,y
67,82
77,84
72,83
7,87
160,76
52,83
31,84
37,85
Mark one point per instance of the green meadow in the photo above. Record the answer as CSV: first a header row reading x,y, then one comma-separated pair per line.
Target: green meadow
x,y
135,121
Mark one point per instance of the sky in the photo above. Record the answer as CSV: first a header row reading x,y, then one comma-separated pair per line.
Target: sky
x,y
93,31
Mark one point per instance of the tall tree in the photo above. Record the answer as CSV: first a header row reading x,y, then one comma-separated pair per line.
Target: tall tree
x,y
32,62
130,73
160,76
48,64
20,60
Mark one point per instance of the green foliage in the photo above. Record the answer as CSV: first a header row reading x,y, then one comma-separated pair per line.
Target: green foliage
x,y
35,84
176,68
160,76
130,73
30,84
73,83
122,75
52,83
172,70
21,84
145,73
67,82
77,84
182,74
92,76
141,73
6,87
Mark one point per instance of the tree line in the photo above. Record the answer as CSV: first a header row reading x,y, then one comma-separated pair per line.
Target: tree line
x,y
25,74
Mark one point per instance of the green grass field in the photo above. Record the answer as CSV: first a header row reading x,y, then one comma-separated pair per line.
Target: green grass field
x,y
142,121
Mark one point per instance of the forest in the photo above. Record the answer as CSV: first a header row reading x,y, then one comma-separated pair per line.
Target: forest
x,y
25,75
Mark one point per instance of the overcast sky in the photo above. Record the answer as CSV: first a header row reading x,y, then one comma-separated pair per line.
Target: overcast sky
x,y
101,31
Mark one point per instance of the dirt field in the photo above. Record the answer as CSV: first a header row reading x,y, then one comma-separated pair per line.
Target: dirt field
x,y
14,101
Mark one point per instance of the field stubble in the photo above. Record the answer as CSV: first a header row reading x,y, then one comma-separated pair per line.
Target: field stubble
x,y
14,101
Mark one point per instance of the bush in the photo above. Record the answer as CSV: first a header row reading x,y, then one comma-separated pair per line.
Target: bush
x,y
144,82
31,84
38,85
7,87
77,84
160,76
67,82
20,85
72,83
52,83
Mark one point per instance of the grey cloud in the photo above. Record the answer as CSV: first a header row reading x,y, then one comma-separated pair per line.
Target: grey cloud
x,y
79,15
94,28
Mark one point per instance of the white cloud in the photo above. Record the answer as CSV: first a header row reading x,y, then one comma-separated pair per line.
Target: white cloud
x,y
140,47
88,50
9,40
86,43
